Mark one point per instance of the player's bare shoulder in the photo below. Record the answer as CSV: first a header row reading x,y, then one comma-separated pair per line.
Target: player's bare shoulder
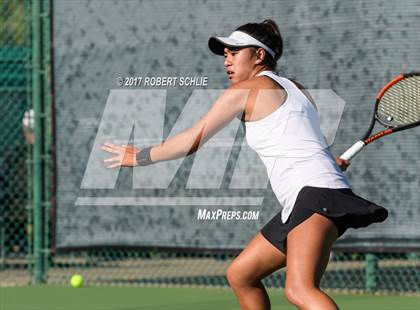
x,y
264,96
256,82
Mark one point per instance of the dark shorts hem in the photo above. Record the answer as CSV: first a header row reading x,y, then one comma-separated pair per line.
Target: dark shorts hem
x,y
342,206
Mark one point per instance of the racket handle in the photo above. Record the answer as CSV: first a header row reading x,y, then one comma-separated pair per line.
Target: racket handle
x,y
353,150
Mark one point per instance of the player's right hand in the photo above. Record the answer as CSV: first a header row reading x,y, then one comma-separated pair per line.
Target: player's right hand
x,y
342,163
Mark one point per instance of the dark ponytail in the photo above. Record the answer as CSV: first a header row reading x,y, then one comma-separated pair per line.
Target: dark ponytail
x,y
268,33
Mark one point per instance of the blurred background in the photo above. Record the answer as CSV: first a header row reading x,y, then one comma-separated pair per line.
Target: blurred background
x,y
59,61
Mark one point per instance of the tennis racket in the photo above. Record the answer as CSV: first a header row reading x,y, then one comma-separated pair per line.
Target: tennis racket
x,y
397,108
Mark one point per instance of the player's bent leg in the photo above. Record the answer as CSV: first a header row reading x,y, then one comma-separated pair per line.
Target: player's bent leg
x,y
308,248
259,259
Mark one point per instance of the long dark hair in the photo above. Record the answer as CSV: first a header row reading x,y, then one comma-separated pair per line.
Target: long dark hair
x,y
268,33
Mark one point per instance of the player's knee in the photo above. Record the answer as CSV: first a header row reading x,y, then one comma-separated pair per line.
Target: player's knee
x,y
233,275
296,293
236,275
291,293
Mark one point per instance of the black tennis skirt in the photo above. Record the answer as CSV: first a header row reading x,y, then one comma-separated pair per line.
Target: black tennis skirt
x,y
341,205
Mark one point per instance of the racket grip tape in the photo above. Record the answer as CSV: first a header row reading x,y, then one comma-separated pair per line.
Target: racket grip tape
x,y
353,150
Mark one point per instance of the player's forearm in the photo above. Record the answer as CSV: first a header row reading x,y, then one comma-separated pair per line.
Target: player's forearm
x,y
175,147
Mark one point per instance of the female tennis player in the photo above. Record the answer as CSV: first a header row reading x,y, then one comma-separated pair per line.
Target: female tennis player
x,y
283,127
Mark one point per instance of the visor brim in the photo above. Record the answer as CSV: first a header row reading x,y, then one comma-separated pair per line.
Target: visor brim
x,y
218,44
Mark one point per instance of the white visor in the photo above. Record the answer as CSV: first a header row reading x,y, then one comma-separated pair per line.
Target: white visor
x,y
236,39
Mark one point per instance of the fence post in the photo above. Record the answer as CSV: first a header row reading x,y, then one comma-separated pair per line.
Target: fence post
x,y
37,150
48,132
371,272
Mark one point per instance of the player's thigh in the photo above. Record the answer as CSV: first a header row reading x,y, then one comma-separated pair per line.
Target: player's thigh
x,y
308,250
259,259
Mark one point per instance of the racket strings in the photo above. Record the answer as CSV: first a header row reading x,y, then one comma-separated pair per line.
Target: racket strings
x,y
400,104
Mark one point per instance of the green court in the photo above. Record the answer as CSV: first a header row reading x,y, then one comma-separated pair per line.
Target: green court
x,y
131,298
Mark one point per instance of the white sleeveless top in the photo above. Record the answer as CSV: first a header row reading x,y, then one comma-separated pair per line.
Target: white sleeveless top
x,y
290,143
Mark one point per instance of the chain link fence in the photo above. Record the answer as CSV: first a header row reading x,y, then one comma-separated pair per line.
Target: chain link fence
x,y
15,146
354,271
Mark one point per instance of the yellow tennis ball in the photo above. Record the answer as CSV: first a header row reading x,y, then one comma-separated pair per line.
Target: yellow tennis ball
x,y
76,281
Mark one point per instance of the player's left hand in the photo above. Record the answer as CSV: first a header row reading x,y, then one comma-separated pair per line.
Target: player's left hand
x,y
125,155
342,163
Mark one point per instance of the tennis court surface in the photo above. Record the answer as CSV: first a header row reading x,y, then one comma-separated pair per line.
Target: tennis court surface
x,y
131,298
